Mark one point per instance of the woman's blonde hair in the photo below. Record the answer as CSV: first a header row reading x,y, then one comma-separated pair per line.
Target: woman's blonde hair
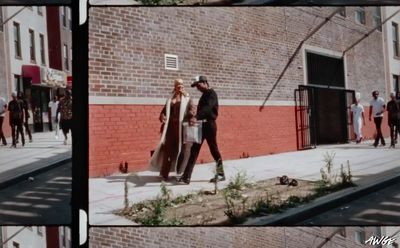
x,y
179,81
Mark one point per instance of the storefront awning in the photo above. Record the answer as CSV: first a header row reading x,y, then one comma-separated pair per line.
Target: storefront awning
x,y
33,72
69,81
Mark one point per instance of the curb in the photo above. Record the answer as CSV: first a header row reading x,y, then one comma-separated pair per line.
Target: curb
x,y
34,172
323,204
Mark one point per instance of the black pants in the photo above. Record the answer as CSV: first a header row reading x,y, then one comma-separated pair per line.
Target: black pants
x,y
209,133
3,139
379,136
27,130
394,130
16,127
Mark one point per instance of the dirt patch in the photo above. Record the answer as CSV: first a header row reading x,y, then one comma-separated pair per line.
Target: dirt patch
x,y
229,206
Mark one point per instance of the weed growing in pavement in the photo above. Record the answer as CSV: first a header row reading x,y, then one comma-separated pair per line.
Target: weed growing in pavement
x,y
126,191
153,212
234,198
239,182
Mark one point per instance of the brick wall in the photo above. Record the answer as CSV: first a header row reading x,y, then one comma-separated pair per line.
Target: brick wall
x,y
135,130
233,237
241,50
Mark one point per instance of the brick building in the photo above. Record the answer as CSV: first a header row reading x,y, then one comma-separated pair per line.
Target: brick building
x,y
242,51
233,237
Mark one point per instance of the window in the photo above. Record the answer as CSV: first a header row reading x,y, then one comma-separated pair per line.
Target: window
x,y
42,51
65,56
17,83
342,231
1,19
360,15
395,38
64,15
17,40
396,85
32,45
377,19
69,19
40,230
15,244
360,235
40,10
342,11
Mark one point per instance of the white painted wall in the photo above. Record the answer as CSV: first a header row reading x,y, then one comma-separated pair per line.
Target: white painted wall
x,y
389,231
28,19
28,238
393,64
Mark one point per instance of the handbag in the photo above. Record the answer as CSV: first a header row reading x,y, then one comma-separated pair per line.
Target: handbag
x,y
192,134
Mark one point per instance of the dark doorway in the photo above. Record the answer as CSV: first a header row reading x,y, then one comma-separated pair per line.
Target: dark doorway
x,y
330,115
323,116
324,70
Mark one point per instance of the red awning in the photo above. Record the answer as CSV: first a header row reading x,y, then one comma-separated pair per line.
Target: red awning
x,y
69,81
33,72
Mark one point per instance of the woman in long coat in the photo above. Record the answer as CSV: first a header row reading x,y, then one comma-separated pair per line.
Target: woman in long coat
x,y
169,153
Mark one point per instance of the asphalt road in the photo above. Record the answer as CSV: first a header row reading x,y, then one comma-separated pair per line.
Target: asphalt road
x,y
378,208
43,201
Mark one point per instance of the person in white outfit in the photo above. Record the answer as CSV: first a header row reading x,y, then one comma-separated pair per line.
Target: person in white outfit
x,y
357,118
53,105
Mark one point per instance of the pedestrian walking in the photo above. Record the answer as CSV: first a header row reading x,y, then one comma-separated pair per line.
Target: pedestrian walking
x,y
170,152
65,110
207,111
357,118
377,109
393,109
26,117
3,109
15,107
53,105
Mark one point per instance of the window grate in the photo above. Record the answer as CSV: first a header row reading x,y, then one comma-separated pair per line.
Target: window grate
x,y
171,62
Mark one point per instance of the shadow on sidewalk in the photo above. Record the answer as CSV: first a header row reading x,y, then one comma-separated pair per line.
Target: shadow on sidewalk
x,y
43,201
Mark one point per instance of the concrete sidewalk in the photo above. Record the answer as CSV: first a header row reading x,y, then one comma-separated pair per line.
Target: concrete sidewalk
x,y
368,165
43,153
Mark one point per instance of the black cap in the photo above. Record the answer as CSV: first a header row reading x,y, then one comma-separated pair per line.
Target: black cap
x,y
199,79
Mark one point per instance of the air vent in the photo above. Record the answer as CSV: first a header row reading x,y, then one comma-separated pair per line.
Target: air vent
x,y
171,62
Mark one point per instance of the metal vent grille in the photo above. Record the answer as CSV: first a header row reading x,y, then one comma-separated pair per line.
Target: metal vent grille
x,y
171,62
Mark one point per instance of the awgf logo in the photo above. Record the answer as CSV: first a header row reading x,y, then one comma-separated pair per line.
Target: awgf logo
x,y
384,240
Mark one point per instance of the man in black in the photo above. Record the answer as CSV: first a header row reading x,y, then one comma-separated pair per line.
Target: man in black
x,y
26,117
16,108
393,108
207,111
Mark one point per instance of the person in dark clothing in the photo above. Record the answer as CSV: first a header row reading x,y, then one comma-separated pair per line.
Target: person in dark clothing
x,y
393,108
3,110
26,117
207,111
15,107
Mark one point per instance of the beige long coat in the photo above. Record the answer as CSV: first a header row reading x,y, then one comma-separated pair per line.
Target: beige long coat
x,y
185,112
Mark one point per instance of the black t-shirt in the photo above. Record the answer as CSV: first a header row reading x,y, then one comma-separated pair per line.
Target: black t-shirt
x,y
393,108
16,109
208,106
